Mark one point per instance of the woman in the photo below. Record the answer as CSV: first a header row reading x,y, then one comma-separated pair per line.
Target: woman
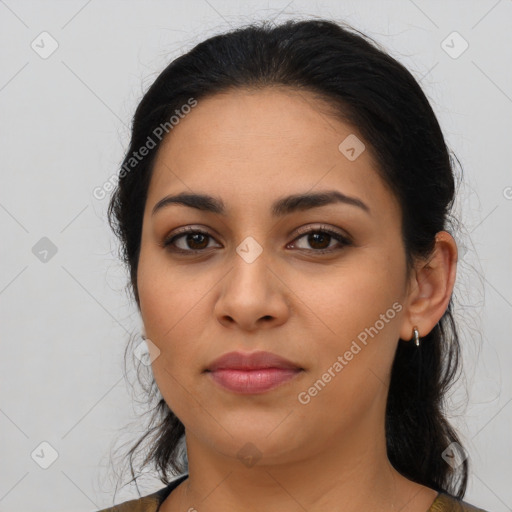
x,y
283,211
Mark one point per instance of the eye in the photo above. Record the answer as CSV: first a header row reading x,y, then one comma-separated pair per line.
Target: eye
x,y
194,241
320,238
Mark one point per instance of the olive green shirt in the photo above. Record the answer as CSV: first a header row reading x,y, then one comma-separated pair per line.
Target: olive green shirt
x,y
151,503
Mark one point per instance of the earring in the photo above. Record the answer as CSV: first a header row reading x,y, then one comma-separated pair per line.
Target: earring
x,y
416,336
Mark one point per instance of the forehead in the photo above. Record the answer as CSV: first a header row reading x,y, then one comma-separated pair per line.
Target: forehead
x,y
248,145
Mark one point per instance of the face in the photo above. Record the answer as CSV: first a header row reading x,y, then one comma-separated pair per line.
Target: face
x,y
320,284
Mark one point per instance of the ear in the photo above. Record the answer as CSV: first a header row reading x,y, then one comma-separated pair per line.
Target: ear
x,y
430,287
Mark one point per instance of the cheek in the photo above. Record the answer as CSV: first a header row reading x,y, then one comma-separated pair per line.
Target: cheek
x,y
334,308
352,297
354,349
171,312
169,295
358,311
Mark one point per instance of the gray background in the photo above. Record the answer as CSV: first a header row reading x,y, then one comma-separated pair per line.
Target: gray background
x,y
65,318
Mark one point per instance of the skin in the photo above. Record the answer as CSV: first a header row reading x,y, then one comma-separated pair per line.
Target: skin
x,y
250,148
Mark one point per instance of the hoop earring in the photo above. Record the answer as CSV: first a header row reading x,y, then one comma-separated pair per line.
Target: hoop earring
x,y
416,336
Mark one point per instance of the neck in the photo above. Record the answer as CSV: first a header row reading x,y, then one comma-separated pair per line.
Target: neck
x,y
353,474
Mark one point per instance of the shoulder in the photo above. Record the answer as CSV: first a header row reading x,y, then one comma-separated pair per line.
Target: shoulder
x,y
149,503
447,503
145,504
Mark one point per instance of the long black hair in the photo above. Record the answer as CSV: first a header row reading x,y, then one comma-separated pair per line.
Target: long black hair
x,y
372,91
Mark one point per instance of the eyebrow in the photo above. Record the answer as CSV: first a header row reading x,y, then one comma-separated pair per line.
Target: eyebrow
x,y
281,207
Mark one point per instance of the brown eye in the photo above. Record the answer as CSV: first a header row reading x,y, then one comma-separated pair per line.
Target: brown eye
x,y
319,240
190,240
196,241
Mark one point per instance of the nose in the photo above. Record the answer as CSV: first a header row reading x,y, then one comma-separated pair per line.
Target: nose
x,y
253,296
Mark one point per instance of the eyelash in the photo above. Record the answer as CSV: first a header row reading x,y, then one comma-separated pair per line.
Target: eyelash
x,y
343,240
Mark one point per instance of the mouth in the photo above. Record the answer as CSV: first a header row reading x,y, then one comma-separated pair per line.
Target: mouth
x,y
252,373
249,382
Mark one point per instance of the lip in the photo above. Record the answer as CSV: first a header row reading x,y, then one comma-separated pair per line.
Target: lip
x,y
251,373
251,361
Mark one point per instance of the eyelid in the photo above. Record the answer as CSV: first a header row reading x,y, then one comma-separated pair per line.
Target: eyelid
x,y
183,231
341,236
302,230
